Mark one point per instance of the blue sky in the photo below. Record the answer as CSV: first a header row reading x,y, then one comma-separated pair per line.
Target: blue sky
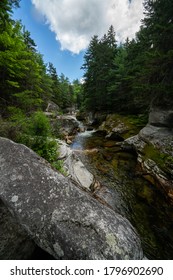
x,y
62,29
65,61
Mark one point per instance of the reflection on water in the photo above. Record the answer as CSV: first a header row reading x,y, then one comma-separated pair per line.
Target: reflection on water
x,y
134,197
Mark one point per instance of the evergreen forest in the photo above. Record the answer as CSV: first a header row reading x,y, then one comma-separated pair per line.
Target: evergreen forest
x,y
131,77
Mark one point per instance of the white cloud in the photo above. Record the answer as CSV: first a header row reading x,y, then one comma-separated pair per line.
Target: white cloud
x,y
75,21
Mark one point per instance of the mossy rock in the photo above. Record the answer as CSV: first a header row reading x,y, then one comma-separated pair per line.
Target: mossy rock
x,y
163,160
124,126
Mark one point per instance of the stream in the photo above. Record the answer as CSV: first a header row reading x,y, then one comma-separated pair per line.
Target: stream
x,y
129,194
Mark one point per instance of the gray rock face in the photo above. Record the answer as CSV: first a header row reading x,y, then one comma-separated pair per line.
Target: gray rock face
x,y
113,125
62,219
74,167
14,241
157,135
161,118
52,107
78,172
64,149
68,124
160,137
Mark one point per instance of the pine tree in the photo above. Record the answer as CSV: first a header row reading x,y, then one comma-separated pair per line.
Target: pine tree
x,y
158,23
98,62
6,7
55,86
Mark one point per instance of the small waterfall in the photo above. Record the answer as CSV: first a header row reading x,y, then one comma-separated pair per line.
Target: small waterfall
x,y
80,139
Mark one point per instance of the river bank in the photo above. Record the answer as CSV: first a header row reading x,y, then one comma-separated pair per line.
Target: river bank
x,y
123,188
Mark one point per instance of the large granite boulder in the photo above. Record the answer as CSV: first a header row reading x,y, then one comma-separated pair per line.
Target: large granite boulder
x,y
118,127
15,242
161,118
68,125
114,127
52,107
62,219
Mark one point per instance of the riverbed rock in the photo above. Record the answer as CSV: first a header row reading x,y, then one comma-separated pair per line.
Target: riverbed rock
x,y
78,172
115,127
154,146
61,218
81,116
68,125
63,150
74,167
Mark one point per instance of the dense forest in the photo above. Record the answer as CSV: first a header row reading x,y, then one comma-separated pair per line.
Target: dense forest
x,y
27,84
125,78
130,77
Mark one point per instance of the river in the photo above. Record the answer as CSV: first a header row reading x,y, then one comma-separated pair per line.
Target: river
x,y
131,195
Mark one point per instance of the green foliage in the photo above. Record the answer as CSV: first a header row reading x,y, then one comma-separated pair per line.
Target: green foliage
x,y
66,92
36,135
6,7
98,61
136,75
26,86
39,125
77,93
25,81
35,132
58,164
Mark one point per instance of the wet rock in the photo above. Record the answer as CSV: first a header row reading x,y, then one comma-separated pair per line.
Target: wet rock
x,y
64,150
78,172
61,218
109,144
114,136
90,128
100,133
74,166
69,139
91,151
107,155
81,116
154,147
134,143
157,175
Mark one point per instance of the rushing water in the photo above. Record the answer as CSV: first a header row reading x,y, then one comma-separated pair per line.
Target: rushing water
x,y
133,197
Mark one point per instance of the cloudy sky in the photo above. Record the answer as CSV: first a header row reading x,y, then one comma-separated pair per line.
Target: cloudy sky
x,y
62,29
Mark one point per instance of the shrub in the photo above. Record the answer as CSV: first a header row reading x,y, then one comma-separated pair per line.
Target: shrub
x,y
39,125
36,133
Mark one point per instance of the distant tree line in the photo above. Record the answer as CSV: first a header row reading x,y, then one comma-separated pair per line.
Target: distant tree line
x,y
131,77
